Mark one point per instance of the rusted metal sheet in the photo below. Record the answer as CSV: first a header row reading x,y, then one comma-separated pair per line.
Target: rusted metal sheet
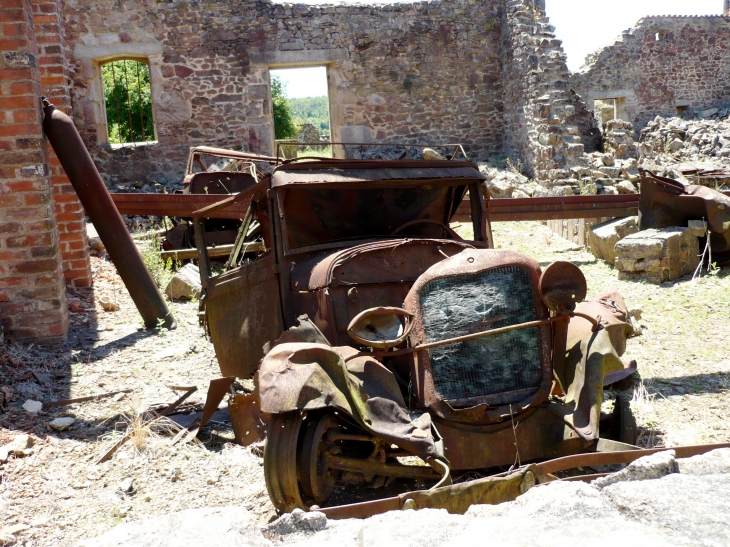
x,y
557,207
98,204
394,261
436,172
245,410
242,307
667,202
173,205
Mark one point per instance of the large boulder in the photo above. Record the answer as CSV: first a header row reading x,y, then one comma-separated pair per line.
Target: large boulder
x,y
185,284
603,237
210,527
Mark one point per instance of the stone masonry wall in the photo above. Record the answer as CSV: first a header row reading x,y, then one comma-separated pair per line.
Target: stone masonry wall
x,y
661,64
547,124
426,72
32,288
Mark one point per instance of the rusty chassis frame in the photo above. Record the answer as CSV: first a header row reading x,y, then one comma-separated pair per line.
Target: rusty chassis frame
x,y
505,486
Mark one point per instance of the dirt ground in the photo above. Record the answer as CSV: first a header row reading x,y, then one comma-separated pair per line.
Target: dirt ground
x,y
56,494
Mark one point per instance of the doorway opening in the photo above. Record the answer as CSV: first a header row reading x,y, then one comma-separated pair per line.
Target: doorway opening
x,y
300,107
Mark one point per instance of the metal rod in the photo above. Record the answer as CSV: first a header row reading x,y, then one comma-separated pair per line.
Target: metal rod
x,y
139,98
376,468
458,339
116,101
98,203
129,102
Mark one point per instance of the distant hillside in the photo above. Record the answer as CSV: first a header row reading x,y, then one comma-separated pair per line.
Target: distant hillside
x,y
312,110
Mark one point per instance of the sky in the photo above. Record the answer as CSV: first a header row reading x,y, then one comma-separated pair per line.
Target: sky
x,y
582,29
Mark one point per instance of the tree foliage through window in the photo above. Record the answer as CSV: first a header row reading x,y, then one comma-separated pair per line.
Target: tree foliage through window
x,y
313,110
284,124
128,101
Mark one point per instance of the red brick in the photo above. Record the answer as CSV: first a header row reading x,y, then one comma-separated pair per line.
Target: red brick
x,y
40,226
27,213
13,255
45,280
81,281
78,264
12,15
14,29
27,186
70,227
16,308
23,88
13,130
35,199
66,198
59,330
36,266
4,297
74,208
10,228
16,281
23,116
75,246
43,318
9,200
75,255
67,217
25,101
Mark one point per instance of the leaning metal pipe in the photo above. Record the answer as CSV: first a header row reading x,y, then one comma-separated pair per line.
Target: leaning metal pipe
x,y
97,202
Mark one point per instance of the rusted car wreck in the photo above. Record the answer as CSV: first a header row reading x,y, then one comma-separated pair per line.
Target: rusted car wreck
x,y
378,334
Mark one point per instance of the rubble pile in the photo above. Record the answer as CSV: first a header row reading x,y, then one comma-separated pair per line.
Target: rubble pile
x,y
696,149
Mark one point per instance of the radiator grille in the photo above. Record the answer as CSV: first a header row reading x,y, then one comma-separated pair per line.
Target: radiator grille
x,y
463,304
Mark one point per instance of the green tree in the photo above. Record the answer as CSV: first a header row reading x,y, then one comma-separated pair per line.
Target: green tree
x,y
128,101
314,110
284,124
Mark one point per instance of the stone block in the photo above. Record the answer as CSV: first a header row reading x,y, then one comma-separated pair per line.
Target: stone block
x,y
657,255
698,227
603,237
185,284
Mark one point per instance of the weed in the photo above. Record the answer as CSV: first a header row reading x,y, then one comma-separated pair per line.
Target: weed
x,y
161,270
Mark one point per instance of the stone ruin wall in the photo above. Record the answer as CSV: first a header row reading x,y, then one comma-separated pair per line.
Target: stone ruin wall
x,y
687,67
547,125
426,72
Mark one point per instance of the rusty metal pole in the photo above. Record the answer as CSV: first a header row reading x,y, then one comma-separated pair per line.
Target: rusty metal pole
x,y
97,202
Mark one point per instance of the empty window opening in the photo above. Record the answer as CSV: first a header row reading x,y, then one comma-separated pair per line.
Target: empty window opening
x,y
300,106
128,101
661,36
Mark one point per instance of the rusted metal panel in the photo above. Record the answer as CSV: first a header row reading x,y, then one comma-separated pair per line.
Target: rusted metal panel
x,y
666,202
394,261
558,207
173,205
435,172
242,310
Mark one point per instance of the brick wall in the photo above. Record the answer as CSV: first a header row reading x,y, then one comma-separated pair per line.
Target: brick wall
x,y
55,83
659,65
32,289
